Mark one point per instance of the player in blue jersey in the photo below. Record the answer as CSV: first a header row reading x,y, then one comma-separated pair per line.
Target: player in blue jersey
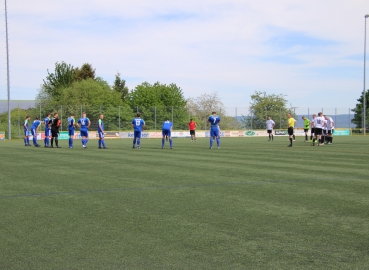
x,y
167,132
214,129
100,130
84,124
35,125
71,128
138,125
46,123
26,131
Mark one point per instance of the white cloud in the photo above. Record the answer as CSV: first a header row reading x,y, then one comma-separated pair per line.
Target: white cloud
x,y
202,46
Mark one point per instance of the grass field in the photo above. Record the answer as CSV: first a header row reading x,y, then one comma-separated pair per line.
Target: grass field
x,y
252,204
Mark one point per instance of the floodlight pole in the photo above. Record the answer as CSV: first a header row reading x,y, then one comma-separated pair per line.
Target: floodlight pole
x,y
7,70
364,91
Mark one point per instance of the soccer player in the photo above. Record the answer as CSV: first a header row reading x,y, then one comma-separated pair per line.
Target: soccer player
x,y
47,130
312,131
306,127
84,124
167,132
192,125
270,125
324,131
214,129
35,125
138,125
318,123
329,125
71,128
55,124
25,131
100,130
291,125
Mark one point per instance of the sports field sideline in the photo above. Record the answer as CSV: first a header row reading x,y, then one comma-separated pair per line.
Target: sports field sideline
x,y
252,204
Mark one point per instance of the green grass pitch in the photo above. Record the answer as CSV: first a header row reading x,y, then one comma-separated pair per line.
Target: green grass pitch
x,y
252,204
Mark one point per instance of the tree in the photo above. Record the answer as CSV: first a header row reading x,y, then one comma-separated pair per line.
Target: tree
x,y
85,72
263,105
62,77
359,109
159,102
201,107
120,87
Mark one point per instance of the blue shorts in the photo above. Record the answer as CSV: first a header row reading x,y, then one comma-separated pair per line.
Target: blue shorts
x,y
214,132
33,132
101,135
71,132
47,132
84,133
166,132
137,134
25,131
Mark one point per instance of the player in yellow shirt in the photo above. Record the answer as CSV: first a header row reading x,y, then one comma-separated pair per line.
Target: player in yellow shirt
x,y
306,127
291,125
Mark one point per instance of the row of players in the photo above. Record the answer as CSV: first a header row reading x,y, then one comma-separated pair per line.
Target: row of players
x,y
52,126
322,129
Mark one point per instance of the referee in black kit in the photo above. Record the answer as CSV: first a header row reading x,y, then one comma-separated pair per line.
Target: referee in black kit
x,y
55,125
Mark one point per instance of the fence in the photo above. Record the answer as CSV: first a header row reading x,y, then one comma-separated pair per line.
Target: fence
x,y
119,118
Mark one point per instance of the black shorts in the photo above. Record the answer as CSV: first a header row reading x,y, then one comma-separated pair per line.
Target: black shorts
x,y
312,130
270,131
54,133
306,130
290,131
192,132
324,131
317,131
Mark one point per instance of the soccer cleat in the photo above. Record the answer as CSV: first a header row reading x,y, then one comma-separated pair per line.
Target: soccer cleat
x,y
84,146
133,147
71,147
218,147
37,145
210,147
100,147
162,147
138,147
171,148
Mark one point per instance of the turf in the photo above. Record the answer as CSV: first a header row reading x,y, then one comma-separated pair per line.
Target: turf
x,y
252,204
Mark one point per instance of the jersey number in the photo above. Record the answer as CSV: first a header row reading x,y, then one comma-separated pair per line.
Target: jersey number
x,y
138,122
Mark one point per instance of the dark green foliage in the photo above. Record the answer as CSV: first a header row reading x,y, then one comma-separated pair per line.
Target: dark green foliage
x,y
359,110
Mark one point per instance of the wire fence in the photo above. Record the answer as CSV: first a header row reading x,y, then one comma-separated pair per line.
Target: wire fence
x,y
119,118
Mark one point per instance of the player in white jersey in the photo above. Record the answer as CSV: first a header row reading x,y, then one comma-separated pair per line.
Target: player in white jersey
x,y
330,126
324,131
318,123
312,127
270,125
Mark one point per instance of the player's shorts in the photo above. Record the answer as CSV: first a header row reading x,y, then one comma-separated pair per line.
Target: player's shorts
x,y
214,132
318,131
324,132
166,132
47,132
290,131
33,132
312,130
25,132
84,133
71,132
306,130
329,131
192,132
137,134
101,135
270,131
54,133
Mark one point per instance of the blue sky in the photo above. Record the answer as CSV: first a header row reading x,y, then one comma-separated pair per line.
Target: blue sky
x,y
310,51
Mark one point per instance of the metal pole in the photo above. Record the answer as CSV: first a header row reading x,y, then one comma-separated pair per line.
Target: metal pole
x,y
172,114
155,116
364,92
280,118
61,117
119,117
7,71
19,121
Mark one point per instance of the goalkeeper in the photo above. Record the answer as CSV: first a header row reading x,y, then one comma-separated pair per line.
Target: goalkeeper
x,y
55,125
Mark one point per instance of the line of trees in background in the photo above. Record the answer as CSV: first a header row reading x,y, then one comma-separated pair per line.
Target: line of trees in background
x,y
76,89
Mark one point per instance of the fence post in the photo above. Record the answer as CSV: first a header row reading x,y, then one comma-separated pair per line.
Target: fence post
x,y
251,120
40,113
280,118
236,119
18,121
61,117
155,116
119,118
172,114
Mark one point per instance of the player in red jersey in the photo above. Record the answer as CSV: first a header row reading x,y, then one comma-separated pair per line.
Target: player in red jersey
x,y
192,126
